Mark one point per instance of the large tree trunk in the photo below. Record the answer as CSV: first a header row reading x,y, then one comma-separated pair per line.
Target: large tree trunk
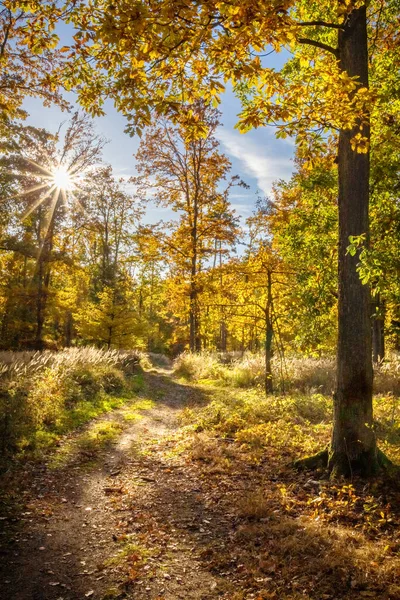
x,y
353,447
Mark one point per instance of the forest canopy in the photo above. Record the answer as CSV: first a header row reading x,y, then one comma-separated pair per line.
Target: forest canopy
x,y
314,269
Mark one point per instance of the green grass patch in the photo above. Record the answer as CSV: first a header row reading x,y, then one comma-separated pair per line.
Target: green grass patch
x,y
86,411
129,550
100,435
131,413
85,446
70,420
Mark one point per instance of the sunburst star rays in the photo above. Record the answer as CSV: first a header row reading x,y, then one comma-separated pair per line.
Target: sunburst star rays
x,y
58,181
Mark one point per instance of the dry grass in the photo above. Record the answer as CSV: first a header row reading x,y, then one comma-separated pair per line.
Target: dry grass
x,y
303,374
215,457
336,557
22,364
194,367
297,534
254,505
387,375
246,371
45,394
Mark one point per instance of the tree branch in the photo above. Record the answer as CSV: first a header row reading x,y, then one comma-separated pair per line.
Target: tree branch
x,y
321,45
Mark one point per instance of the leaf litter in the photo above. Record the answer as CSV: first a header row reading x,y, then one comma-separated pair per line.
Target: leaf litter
x,y
161,514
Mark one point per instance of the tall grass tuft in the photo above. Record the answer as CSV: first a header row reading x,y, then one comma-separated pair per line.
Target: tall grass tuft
x,y
43,394
194,367
387,375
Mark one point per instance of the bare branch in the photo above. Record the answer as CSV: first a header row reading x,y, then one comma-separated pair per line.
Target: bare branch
x,y
321,45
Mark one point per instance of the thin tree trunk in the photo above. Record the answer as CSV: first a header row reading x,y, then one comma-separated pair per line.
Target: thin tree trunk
x,y
192,318
68,329
150,336
268,337
223,334
353,445
378,329
194,340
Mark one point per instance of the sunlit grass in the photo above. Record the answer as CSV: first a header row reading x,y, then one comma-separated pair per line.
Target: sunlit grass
x,y
290,525
85,446
99,436
293,425
129,549
46,395
132,413
295,373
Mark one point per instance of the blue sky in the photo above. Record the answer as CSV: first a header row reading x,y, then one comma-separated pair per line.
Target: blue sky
x,y
257,156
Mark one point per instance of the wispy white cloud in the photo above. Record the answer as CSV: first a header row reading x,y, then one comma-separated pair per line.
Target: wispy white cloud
x,y
234,196
243,209
255,159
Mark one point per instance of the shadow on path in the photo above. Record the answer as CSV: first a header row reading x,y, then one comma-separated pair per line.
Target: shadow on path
x,y
175,530
56,525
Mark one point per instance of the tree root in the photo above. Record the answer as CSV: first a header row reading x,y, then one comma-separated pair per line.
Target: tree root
x,y
313,462
323,459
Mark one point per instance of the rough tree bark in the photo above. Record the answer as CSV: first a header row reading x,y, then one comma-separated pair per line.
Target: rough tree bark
x,y
353,445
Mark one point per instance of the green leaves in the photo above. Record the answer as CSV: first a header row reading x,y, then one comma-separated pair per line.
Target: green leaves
x,y
356,242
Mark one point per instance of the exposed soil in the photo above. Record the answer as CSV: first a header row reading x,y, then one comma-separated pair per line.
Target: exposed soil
x,y
128,522
140,519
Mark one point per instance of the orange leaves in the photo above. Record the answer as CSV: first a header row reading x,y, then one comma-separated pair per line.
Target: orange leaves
x,y
179,44
345,504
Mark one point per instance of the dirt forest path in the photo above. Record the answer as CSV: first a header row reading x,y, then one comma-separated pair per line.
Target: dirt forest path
x,y
136,506
133,522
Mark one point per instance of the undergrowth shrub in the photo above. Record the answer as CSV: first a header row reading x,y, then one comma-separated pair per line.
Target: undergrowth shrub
x,y
308,373
113,380
237,372
291,425
245,372
193,367
45,394
287,424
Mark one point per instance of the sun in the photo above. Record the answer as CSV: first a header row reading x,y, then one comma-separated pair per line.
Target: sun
x,y
62,179
56,185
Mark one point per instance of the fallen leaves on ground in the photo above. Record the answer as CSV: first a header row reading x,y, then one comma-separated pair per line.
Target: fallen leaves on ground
x,y
168,512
